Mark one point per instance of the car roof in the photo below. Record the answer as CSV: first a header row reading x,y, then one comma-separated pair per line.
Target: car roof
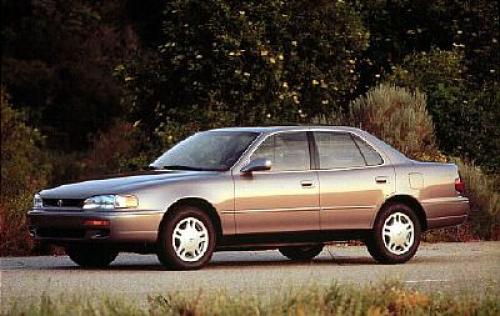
x,y
278,128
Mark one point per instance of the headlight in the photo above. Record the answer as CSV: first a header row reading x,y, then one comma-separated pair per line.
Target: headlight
x,y
37,201
110,202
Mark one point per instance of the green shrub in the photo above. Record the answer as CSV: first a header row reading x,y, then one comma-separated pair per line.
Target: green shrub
x,y
399,117
465,117
25,169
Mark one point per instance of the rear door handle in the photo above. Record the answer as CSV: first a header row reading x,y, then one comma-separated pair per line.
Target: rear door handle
x,y
307,184
381,179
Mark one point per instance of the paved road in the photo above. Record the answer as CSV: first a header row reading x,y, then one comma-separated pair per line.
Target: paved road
x,y
450,267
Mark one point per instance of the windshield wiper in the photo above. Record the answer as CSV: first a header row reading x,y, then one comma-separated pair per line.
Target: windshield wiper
x,y
182,167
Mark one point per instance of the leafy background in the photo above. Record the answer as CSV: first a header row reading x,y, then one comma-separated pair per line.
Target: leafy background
x,y
95,87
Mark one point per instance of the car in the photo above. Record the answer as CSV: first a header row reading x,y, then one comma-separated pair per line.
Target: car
x,y
291,188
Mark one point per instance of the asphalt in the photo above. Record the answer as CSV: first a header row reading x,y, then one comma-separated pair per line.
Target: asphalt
x,y
459,268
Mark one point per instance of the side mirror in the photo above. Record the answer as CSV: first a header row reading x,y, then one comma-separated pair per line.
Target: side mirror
x,y
260,164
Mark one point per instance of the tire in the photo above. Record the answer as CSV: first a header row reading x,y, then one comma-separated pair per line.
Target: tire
x,y
194,232
301,253
91,257
395,236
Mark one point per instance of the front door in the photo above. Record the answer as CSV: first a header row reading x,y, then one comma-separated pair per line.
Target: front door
x,y
283,199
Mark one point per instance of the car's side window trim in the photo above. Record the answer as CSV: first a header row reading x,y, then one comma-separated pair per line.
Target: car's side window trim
x,y
262,138
313,151
359,149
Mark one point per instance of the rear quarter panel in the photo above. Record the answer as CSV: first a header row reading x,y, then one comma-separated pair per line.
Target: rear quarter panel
x,y
433,185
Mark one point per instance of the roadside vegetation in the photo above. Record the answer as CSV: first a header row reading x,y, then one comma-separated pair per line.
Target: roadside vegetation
x,y
390,298
121,82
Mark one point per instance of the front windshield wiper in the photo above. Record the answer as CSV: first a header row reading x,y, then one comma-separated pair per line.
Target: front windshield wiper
x,y
182,167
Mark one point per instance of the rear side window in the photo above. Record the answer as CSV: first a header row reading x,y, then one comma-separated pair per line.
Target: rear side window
x,y
372,157
287,151
337,150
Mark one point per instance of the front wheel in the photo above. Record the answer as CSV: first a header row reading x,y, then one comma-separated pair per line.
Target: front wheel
x,y
395,236
301,253
91,256
187,239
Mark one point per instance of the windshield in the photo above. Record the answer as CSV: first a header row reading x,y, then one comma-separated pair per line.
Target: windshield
x,y
211,151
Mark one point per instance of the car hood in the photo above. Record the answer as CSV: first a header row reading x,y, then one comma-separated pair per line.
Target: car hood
x,y
121,183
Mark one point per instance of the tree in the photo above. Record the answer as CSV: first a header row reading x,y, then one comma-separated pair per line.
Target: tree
x,y
259,62
57,63
465,116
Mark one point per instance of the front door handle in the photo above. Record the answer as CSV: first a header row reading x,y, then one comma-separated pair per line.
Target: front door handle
x,y
307,183
381,179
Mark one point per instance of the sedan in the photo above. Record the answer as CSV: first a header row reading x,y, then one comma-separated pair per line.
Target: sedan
x,y
291,188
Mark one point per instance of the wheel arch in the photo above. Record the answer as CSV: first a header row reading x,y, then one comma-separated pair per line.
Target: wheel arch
x,y
200,203
411,202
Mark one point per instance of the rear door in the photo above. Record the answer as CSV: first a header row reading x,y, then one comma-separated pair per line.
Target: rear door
x,y
283,199
353,178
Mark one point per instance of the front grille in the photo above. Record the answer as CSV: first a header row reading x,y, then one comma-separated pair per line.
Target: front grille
x,y
60,233
63,203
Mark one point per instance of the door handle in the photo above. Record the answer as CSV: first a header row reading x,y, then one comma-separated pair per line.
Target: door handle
x,y
381,179
306,184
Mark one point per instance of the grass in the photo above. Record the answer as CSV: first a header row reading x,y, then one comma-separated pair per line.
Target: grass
x,y
389,298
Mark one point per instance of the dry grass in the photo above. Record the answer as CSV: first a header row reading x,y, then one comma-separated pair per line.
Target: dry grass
x,y
382,299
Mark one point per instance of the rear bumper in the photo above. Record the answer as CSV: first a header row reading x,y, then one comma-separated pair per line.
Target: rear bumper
x,y
71,226
446,212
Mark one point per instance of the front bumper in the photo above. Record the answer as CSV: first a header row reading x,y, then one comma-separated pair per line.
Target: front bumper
x,y
72,226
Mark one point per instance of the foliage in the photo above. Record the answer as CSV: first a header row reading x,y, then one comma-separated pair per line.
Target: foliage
x,y
484,195
390,298
57,61
397,116
232,63
466,120
402,27
116,151
24,170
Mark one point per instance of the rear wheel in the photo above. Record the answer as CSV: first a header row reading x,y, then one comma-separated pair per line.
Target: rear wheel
x,y
91,256
395,236
301,253
187,239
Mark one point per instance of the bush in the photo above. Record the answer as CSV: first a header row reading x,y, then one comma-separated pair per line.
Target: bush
x,y
25,169
484,195
121,148
399,117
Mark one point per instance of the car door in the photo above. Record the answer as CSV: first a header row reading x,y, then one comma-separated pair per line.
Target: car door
x,y
354,180
284,198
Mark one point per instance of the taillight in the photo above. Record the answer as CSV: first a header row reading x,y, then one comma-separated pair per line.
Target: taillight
x,y
460,185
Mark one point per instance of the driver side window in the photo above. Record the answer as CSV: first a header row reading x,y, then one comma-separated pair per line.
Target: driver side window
x,y
286,151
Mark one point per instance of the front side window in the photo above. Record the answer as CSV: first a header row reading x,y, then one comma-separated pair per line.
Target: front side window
x,y
211,150
337,150
286,151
